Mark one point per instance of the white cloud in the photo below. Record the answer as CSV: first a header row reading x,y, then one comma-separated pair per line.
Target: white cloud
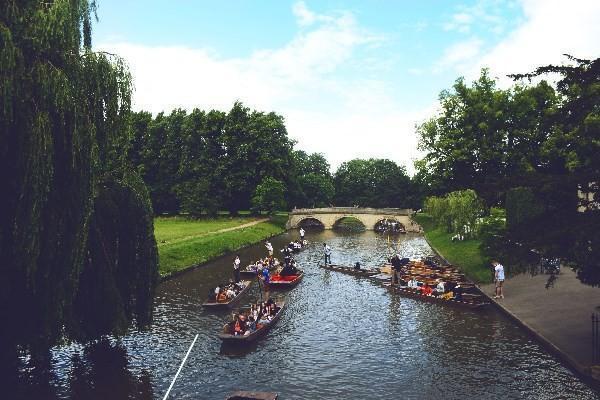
x,y
484,13
460,56
342,117
551,28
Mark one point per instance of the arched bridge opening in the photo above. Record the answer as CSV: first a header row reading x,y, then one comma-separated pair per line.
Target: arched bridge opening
x,y
389,225
351,224
311,224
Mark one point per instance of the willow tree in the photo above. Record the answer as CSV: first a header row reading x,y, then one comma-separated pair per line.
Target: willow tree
x,y
78,257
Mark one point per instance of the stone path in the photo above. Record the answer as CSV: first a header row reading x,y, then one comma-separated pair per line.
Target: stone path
x,y
233,228
560,316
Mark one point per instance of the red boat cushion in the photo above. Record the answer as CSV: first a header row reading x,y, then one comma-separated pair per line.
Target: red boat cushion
x,y
286,278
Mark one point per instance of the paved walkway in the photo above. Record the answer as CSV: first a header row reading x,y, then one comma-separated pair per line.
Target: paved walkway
x,y
560,316
233,228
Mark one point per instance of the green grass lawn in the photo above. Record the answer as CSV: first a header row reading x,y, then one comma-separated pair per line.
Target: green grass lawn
x,y
465,254
167,229
195,241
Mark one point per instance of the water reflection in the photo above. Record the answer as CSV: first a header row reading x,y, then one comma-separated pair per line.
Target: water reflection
x,y
340,337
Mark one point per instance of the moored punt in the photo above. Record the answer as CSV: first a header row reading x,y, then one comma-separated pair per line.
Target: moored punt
x,y
350,270
244,395
469,300
282,282
231,302
227,337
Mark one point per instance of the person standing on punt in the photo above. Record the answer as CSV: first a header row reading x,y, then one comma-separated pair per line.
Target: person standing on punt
x,y
327,252
301,235
269,247
266,281
236,269
499,279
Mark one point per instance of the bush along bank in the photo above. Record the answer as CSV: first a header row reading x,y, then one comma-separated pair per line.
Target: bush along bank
x,y
466,254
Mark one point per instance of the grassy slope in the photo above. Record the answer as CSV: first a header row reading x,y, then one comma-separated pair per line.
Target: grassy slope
x,y
465,254
170,228
180,255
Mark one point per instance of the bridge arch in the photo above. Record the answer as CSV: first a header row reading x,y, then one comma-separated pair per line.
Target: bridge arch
x,y
311,223
389,224
350,222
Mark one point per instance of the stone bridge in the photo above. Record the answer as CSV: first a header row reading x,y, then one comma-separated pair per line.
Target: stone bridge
x,y
368,216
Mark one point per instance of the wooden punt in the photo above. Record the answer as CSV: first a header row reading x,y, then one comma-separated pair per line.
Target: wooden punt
x,y
284,282
350,270
228,338
469,301
230,303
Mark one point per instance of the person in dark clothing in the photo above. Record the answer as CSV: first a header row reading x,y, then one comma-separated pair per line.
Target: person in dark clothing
x,y
396,267
357,265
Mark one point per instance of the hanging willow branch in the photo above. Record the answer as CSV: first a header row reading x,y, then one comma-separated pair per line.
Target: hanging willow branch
x,y
64,127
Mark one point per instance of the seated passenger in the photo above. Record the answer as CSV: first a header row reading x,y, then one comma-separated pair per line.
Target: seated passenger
x,y
412,283
439,289
357,265
458,291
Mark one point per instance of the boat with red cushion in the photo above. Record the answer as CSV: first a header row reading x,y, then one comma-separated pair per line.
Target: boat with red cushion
x,y
285,281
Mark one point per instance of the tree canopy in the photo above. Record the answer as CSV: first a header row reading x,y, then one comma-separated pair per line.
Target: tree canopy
x,y
532,148
77,246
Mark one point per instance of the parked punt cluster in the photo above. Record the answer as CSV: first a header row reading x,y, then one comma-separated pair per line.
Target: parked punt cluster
x,y
423,280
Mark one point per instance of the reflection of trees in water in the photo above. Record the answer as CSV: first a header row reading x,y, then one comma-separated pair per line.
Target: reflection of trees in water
x,y
101,372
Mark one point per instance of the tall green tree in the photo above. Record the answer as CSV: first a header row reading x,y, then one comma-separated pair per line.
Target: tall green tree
x,y
371,183
69,266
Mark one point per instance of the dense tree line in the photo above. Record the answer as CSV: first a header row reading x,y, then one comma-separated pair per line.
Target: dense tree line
x,y
77,248
202,162
533,149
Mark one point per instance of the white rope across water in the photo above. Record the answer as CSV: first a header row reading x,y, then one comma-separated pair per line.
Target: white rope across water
x,y
180,367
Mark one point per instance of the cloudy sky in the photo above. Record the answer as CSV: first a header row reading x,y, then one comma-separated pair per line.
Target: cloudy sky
x,y
351,78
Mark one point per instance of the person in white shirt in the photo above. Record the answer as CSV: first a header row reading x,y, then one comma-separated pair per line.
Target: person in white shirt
x,y
236,269
499,279
269,247
327,251
301,235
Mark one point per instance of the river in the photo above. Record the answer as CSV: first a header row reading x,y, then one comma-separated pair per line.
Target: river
x,y
341,337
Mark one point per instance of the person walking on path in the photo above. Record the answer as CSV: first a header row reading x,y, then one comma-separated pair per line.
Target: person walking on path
x,y
269,247
236,269
499,279
327,252
301,235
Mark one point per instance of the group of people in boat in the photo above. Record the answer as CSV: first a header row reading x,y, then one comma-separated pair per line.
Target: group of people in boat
x,y
257,316
391,226
444,289
263,263
294,246
223,293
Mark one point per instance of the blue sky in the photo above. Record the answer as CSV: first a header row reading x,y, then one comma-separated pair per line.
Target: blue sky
x,y
352,78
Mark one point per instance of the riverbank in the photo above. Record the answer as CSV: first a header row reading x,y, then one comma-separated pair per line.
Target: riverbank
x,y
464,253
184,243
557,316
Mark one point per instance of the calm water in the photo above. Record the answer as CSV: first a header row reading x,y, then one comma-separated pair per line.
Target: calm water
x,y
341,338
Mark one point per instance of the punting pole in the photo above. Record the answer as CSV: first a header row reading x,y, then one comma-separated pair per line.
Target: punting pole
x,y
180,367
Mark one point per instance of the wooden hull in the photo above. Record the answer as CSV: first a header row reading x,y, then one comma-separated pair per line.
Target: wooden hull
x,y
246,339
243,395
248,274
349,270
286,284
231,303
432,299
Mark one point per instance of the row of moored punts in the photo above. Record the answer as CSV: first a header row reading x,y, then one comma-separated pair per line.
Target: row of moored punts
x,y
427,273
